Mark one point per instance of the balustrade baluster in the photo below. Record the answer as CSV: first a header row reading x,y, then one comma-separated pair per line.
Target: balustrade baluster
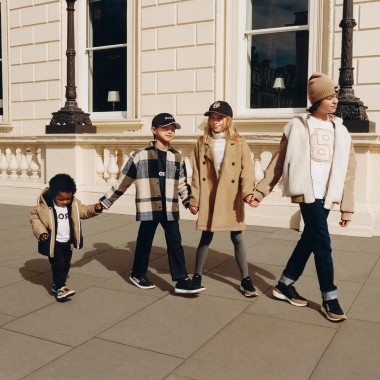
x,y
34,166
112,167
24,166
13,164
100,164
4,163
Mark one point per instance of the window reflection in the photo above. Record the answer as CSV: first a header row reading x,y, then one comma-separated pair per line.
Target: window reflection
x,y
107,63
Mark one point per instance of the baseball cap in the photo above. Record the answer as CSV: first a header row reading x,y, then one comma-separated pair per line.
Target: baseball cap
x,y
220,107
163,119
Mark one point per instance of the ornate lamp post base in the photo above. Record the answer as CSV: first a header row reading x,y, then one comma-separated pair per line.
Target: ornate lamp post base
x,y
352,111
70,119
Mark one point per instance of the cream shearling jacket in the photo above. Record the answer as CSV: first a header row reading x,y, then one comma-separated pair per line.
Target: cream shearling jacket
x,y
292,162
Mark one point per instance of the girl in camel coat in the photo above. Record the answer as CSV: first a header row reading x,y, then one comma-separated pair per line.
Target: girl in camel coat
x,y
223,178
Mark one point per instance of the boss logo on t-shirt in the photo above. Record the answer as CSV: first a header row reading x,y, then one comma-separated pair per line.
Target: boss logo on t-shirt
x,y
161,174
63,216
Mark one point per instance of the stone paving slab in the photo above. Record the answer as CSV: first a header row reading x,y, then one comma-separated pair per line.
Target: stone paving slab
x,y
76,320
99,360
22,354
258,347
353,353
176,325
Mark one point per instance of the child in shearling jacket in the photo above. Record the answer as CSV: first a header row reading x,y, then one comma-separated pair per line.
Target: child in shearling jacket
x,y
57,227
317,162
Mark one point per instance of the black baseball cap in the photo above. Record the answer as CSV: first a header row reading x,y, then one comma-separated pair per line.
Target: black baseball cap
x,y
220,107
163,119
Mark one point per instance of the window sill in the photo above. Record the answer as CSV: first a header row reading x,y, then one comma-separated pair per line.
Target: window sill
x,y
117,125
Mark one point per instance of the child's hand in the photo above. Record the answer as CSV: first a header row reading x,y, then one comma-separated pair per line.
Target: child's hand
x,y
193,209
99,207
344,223
43,237
254,202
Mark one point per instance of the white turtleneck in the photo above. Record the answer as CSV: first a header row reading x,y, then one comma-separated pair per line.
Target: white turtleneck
x,y
219,148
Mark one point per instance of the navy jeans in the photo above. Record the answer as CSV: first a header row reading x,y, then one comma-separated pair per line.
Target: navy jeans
x,y
315,238
60,263
144,243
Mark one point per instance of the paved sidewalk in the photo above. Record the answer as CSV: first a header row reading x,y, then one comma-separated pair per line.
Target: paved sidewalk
x,y
113,330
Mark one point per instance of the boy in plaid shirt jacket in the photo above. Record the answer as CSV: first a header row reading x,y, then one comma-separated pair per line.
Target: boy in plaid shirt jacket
x,y
159,174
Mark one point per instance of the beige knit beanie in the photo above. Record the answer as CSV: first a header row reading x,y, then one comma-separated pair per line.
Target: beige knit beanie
x,y
320,86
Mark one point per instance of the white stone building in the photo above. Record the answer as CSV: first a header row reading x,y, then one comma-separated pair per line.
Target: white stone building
x,y
176,56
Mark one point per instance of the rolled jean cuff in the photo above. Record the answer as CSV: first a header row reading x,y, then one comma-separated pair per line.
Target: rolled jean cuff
x,y
328,296
286,280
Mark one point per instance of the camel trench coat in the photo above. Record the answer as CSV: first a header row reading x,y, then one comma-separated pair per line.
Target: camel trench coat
x,y
220,198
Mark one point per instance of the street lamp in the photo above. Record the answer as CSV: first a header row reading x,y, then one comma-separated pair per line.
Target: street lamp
x,y
350,108
70,118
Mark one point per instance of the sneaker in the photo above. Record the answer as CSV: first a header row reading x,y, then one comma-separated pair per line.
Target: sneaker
x,y
247,288
54,289
197,279
186,286
142,282
289,293
333,310
64,292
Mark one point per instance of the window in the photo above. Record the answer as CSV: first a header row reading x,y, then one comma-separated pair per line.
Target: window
x,y
107,55
277,36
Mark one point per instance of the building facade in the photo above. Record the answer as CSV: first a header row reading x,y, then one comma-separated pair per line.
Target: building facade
x,y
136,58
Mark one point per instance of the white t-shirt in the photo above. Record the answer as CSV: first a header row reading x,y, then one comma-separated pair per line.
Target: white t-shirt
x,y
63,224
321,152
219,148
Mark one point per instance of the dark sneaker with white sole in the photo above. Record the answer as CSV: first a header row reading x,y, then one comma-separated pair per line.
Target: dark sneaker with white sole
x,y
333,311
247,288
142,282
197,279
289,294
54,289
186,286
64,292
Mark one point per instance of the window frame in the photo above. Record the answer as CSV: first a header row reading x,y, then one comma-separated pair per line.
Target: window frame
x,y
4,59
84,64
236,62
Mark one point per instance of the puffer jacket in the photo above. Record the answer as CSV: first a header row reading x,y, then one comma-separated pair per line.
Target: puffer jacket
x,y
44,221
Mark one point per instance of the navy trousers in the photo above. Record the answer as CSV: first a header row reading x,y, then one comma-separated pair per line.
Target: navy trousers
x,y
144,243
60,263
315,238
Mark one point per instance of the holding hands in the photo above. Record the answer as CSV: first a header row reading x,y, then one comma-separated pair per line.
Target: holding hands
x,y
99,207
193,209
252,201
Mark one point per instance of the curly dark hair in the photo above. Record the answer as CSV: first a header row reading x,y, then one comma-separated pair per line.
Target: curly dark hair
x,y
314,106
62,182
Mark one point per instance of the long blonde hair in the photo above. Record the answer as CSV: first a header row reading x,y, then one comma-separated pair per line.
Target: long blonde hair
x,y
230,129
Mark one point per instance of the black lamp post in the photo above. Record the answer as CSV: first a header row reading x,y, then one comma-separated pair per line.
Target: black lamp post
x,y
350,108
70,118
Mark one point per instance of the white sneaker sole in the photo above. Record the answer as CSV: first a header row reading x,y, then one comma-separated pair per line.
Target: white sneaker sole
x,y
331,318
69,294
184,291
255,294
282,297
139,286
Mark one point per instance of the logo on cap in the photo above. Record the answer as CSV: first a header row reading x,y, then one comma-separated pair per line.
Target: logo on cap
x,y
216,105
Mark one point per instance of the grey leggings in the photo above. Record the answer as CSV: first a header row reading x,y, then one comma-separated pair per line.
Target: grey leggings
x,y
240,255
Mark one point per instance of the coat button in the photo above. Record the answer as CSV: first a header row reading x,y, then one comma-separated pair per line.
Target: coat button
x,y
233,181
233,164
203,179
204,162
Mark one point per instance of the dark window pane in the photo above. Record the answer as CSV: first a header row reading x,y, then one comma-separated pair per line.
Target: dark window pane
x,y
280,55
277,13
108,22
109,74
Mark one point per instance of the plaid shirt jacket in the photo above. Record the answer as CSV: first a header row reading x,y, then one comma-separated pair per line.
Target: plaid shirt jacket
x,y
142,168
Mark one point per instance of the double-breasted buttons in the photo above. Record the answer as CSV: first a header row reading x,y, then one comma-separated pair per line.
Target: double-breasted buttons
x,y
203,179
204,162
233,181
233,164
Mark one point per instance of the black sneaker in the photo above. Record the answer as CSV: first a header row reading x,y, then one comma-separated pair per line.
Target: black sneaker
x,y
289,293
142,282
54,289
186,286
247,288
197,279
333,311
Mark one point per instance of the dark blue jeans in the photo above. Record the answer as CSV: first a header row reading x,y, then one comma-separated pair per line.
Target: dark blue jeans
x,y
144,243
60,263
315,238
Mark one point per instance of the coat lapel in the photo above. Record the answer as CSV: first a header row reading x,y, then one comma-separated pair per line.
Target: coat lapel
x,y
210,153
